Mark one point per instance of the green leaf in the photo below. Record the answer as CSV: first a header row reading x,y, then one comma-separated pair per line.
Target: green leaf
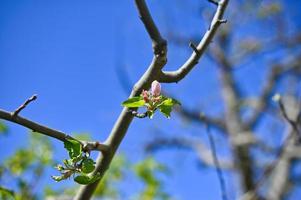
x,y
88,165
134,102
58,178
3,128
86,179
170,102
166,110
73,147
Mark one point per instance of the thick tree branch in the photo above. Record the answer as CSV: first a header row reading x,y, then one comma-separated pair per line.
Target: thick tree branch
x,y
233,121
176,76
125,118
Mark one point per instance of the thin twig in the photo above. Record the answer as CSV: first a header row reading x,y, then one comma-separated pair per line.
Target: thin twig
x,y
28,101
192,61
216,162
292,123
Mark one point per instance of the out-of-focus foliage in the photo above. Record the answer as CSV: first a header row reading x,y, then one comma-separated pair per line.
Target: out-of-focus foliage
x,y
25,168
147,171
3,128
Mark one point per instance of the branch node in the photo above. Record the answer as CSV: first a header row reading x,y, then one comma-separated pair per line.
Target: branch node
x,y
194,48
222,21
138,115
28,101
213,2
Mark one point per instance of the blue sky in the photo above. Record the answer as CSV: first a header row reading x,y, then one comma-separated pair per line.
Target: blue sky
x,y
70,54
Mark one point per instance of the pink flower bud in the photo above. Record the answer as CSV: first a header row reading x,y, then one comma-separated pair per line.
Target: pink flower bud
x,y
145,94
156,88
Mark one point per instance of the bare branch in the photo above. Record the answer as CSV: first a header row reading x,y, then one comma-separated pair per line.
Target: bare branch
x,y
28,101
38,128
263,100
204,154
150,26
280,157
176,76
197,116
217,163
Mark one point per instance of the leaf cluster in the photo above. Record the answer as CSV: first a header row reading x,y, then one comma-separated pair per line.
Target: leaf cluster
x,y
79,165
162,103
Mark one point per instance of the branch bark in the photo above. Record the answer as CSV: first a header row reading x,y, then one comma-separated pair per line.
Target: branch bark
x,y
154,72
38,128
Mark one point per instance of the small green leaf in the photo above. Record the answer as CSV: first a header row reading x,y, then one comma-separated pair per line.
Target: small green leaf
x,y
58,178
85,179
88,165
170,102
166,110
73,147
134,102
3,128
59,167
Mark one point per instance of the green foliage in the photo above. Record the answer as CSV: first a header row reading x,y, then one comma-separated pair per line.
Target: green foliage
x,y
85,179
164,104
114,175
6,194
79,163
147,171
3,128
134,102
73,147
30,160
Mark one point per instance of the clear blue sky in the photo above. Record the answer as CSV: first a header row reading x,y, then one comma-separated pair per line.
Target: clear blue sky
x,y
68,52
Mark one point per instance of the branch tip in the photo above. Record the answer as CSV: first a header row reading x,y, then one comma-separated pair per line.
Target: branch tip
x,y
20,108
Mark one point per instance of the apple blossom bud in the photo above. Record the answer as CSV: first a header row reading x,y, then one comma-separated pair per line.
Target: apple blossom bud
x,y
144,94
156,88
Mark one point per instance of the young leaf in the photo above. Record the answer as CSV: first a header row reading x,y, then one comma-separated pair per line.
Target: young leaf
x,y
73,147
58,178
166,110
85,179
88,165
134,102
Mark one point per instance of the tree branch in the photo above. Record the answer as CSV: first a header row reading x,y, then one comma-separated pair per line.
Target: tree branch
x,y
262,102
197,116
38,128
125,118
28,101
204,154
176,76
150,26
